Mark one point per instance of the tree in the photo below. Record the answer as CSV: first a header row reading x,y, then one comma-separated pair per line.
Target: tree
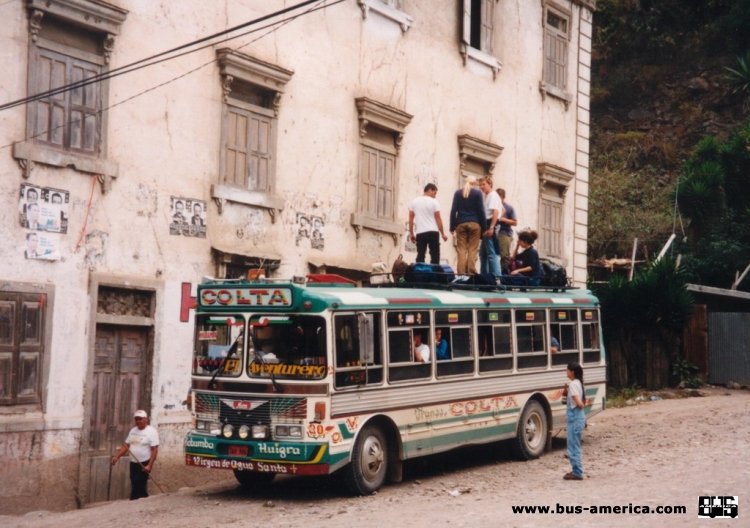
x,y
714,194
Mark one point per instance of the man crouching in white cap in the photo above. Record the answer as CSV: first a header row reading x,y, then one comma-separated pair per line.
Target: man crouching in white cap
x,y
143,445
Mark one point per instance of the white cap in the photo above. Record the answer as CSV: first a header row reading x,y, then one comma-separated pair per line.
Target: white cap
x,y
140,413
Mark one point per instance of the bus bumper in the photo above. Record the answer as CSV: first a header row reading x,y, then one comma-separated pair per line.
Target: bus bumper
x,y
282,457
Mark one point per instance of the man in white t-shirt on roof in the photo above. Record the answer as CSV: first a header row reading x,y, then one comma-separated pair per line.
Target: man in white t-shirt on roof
x,y
424,211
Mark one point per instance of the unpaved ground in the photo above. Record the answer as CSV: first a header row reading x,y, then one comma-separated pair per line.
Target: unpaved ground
x,y
666,452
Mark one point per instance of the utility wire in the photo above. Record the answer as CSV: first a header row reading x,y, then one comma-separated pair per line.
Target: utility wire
x,y
279,23
150,61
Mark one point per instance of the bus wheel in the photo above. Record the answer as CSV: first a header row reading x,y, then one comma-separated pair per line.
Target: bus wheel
x,y
532,431
252,479
367,471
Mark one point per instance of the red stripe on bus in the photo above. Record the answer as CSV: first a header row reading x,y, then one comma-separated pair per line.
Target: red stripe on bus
x,y
409,301
497,300
541,301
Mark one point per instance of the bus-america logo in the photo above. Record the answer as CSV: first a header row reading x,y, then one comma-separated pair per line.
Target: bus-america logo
x,y
272,297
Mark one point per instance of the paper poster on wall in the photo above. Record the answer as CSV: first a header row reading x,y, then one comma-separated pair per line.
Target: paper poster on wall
x,y
310,227
188,217
43,208
42,246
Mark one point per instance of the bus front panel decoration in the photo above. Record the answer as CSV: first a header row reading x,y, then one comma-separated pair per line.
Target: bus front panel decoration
x,y
311,378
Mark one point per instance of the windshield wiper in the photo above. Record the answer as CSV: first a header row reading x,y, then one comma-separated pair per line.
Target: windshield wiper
x,y
230,353
259,356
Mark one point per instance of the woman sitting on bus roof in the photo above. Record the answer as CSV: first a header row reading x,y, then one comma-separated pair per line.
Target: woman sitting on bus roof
x,y
528,269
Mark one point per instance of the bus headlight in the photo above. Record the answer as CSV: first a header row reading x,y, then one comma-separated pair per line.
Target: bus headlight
x,y
244,432
227,430
289,431
215,428
259,432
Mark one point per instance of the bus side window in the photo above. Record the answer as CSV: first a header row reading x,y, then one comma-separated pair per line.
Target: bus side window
x,y
530,338
590,331
347,344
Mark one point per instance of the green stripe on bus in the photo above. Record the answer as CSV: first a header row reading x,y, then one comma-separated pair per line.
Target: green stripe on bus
x,y
345,433
490,415
459,438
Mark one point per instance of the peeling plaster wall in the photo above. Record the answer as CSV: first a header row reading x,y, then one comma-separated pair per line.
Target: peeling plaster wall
x,y
166,143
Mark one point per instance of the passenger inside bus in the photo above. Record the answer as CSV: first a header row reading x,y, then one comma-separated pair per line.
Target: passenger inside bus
x,y
441,345
421,351
554,346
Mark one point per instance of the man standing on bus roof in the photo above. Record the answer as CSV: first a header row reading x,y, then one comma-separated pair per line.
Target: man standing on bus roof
x,y
424,211
421,351
142,444
506,221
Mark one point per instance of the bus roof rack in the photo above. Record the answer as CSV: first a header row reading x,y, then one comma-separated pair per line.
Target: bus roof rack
x,y
466,286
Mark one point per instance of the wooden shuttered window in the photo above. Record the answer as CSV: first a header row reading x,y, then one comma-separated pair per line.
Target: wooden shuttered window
x,y
70,120
556,38
21,347
488,16
551,226
248,148
378,174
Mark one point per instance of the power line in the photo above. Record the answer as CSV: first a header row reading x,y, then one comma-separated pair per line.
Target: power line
x,y
279,24
150,61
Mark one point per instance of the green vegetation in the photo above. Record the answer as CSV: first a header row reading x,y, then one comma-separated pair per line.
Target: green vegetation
x,y
642,322
739,76
714,195
686,373
617,397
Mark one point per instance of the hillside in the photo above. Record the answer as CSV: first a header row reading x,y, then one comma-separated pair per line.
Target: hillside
x,y
659,85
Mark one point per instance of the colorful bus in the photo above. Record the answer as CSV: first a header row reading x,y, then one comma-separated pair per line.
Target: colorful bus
x,y
316,375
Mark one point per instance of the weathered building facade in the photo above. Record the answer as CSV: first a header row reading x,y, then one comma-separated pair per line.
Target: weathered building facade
x,y
294,143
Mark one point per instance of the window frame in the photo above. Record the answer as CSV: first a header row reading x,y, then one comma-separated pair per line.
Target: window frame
x,y
101,23
45,296
240,70
554,182
389,9
554,38
356,375
485,53
378,119
476,157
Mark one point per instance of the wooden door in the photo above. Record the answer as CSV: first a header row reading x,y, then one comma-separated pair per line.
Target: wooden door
x,y
118,389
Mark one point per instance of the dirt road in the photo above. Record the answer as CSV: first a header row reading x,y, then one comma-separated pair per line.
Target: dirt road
x,y
657,453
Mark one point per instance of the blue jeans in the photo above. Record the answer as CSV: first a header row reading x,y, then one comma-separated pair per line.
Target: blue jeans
x,y
489,261
576,422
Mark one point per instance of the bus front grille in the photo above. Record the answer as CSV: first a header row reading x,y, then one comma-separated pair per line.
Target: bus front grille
x,y
250,410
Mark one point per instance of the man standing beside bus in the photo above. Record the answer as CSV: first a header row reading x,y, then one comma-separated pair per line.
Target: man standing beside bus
x,y
142,444
424,211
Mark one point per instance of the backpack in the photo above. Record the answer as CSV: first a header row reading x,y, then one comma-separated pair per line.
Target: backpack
x,y
553,274
399,268
423,273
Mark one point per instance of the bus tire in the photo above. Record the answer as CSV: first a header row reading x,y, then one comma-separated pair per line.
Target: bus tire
x,y
252,479
531,438
367,471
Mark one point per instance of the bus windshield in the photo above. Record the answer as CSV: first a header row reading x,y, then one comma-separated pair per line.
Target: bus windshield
x,y
219,345
287,347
